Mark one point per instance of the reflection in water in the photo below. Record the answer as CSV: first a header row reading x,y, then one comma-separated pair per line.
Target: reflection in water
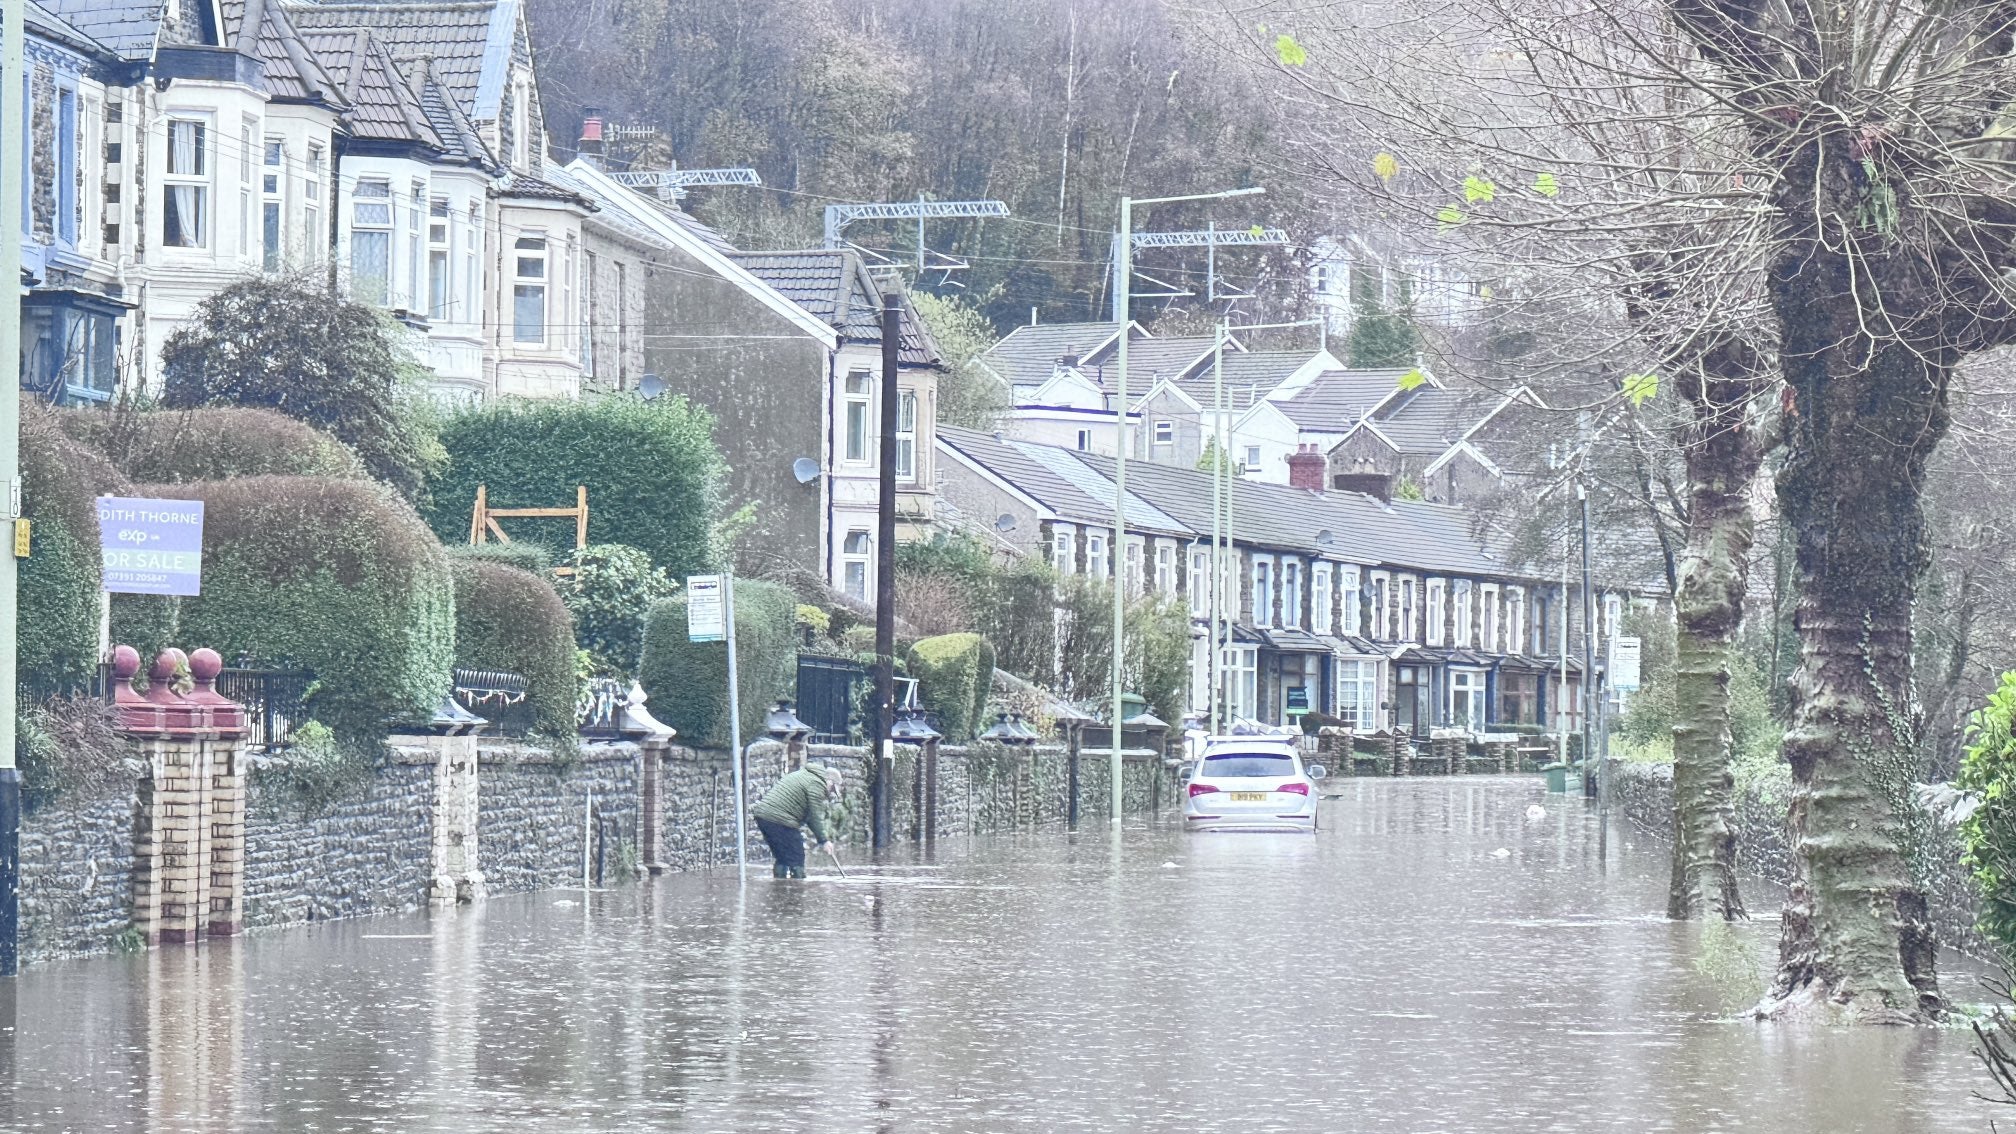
x,y
1433,959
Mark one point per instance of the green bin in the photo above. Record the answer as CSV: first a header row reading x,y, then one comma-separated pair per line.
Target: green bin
x,y
1557,778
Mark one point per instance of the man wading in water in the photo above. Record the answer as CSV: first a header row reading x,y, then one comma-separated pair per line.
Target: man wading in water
x,y
799,798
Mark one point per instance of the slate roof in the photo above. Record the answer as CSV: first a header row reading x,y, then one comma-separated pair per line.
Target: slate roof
x,y
1336,400
520,184
692,224
462,37
834,286
383,106
1249,376
1427,420
50,26
1149,360
128,28
1027,356
1017,463
451,123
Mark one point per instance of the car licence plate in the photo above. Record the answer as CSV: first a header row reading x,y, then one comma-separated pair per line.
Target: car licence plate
x,y
1249,797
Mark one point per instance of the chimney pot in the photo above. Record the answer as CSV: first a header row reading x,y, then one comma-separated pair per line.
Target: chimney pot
x,y
1306,467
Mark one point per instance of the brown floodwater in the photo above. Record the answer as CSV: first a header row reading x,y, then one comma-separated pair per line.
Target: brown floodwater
x,y
1394,972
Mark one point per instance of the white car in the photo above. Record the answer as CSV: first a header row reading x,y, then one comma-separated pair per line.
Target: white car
x,y
1251,783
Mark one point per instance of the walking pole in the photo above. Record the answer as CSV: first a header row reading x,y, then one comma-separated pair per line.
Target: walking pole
x,y
835,856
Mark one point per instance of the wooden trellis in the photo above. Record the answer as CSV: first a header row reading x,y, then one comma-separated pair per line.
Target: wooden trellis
x,y
483,521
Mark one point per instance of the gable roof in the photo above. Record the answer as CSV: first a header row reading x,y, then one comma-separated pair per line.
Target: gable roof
x,y
1336,400
637,207
1054,479
834,285
1249,376
291,71
49,26
383,106
470,42
1026,356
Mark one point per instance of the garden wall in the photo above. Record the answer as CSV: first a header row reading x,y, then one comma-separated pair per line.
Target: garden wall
x,y
1644,793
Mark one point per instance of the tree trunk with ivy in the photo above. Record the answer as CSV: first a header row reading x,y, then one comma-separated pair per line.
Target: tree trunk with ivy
x,y
1865,415
1723,452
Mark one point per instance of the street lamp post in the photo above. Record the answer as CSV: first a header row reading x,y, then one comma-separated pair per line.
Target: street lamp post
x,y
1123,271
13,33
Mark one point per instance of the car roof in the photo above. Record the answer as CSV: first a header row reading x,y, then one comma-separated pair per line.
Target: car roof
x,y
1255,744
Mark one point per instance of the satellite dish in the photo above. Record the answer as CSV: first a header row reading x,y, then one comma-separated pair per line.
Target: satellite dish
x,y
650,387
1005,522
805,469
1325,538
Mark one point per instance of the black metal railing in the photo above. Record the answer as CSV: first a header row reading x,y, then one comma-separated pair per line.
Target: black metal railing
x,y
826,693
275,700
496,696
36,689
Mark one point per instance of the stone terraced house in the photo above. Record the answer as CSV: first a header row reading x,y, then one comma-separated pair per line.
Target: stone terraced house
x,y
1389,614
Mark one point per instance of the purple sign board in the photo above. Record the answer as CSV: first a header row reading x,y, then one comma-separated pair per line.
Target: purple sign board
x,y
151,547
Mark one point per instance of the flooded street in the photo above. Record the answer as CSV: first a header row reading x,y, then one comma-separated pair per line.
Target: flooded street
x,y
1392,973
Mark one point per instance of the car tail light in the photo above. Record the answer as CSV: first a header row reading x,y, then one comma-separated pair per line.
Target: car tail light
x,y
1202,789
1297,789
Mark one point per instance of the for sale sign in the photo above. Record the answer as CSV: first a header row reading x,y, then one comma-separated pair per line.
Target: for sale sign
x,y
151,547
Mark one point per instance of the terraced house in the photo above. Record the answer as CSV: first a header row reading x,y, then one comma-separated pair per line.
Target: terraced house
x,y
1386,613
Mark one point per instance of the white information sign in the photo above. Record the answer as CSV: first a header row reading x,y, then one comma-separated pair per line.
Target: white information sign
x,y
1624,657
706,609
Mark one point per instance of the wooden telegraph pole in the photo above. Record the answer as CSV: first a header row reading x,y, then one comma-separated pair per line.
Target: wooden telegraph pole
x,y
881,783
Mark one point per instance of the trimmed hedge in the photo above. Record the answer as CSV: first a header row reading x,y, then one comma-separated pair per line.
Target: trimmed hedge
x,y
956,673
652,471
56,642
338,577
534,557
511,620
215,443
687,682
608,594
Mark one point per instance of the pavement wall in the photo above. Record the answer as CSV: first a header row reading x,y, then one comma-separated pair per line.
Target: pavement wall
x,y
368,843
1644,793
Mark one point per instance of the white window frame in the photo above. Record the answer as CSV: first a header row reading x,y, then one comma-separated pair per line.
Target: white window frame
x,y
1352,601
440,258
1358,692
1515,620
367,198
531,247
1468,692
197,183
416,226
857,442
906,435
1063,551
1165,567
1291,594
1464,593
315,237
1252,458
1200,581
1165,433
1263,591
1488,640
1382,611
1410,609
1242,681
273,200
857,549
1084,440
1436,590
1321,598
1137,564
1613,618
1095,556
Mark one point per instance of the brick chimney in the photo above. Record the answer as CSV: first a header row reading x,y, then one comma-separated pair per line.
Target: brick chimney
x,y
1370,483
1306,467
590,145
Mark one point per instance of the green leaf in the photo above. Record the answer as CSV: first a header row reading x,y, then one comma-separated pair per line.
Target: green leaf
x,y
1450,216
1641,387
1385,165
1288,51
1546,185
1477,189
1255,231
1412,379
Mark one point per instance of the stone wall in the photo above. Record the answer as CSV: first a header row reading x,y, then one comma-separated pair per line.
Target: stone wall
x,y
77,870
1644,794
316,849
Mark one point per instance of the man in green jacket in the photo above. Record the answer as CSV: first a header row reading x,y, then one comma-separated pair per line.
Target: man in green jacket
x,y
799,799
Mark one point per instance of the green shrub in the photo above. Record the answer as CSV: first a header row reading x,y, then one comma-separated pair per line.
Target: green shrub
x,y
214,443
609,593
57,639
295,346
65,746
511,620
339,577
687,682
652,471
522,554
1988,772
956,674
1157,662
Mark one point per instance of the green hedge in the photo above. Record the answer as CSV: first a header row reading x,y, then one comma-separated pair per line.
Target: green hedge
x,y
608,594
57,639
215,443
511,620
335,576
956,673
652,471
522,554
687,682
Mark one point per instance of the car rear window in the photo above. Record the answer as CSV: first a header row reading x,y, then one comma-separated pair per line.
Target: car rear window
x,y
1248,764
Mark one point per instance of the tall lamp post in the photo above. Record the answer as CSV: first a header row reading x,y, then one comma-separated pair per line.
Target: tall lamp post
x,y
13,33
1123,285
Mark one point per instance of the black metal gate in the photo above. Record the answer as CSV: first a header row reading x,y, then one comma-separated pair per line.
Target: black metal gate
x,y
826,688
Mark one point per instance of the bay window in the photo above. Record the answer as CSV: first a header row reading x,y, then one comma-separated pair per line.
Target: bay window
x,y
1358,694
528,291
439,285
272,204
906,435
854,553
311,192
371,241
1466,699
858,388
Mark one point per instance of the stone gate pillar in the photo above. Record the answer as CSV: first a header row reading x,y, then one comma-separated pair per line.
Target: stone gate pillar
x,y
227,741
447,742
